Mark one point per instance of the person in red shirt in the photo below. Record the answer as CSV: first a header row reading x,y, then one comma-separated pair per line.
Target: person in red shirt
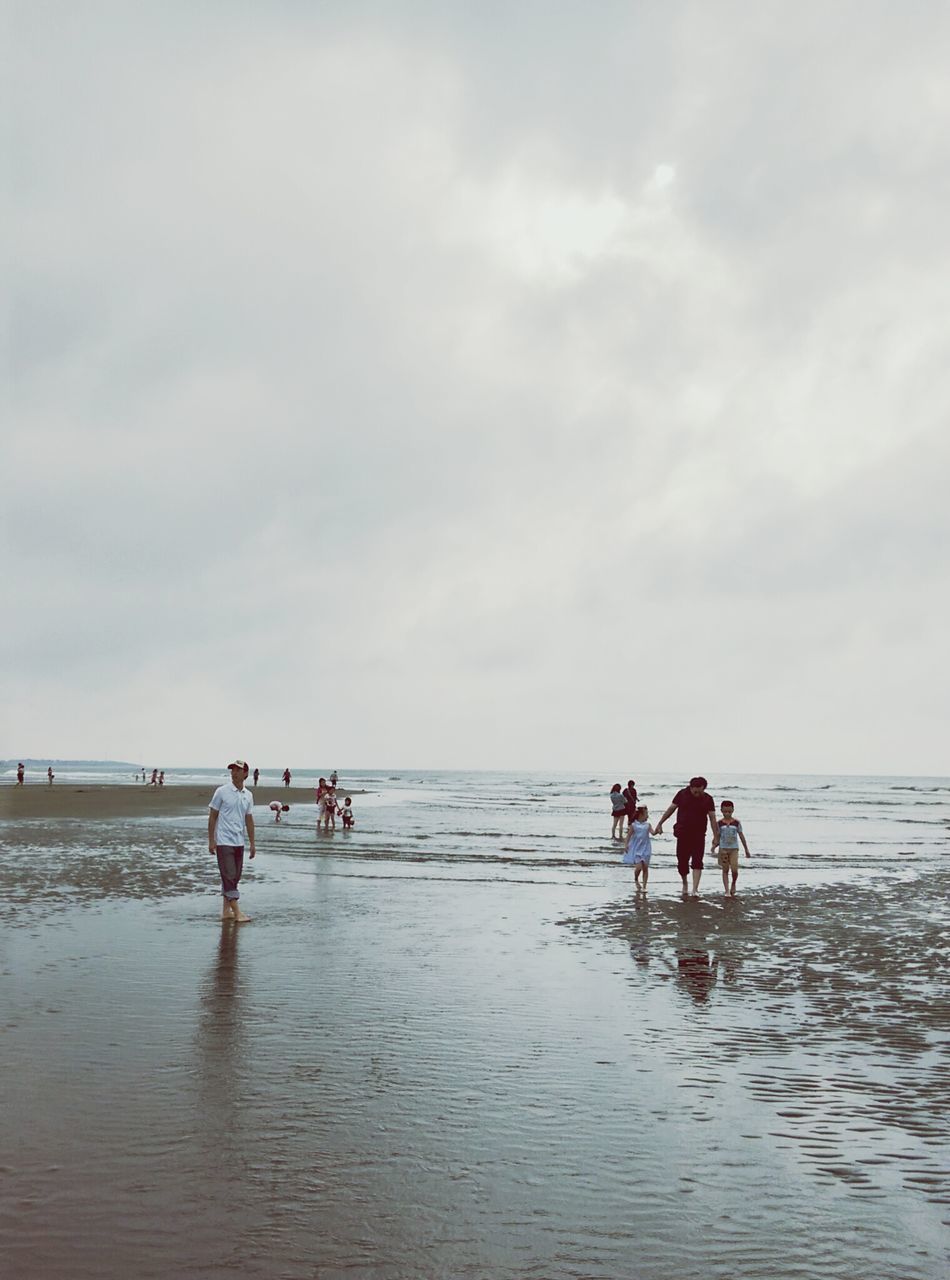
x,y
694,807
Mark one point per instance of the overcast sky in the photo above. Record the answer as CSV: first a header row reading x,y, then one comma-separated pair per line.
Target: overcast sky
x,y
553,384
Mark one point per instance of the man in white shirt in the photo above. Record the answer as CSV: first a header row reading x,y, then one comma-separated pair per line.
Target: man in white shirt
x,y
229,818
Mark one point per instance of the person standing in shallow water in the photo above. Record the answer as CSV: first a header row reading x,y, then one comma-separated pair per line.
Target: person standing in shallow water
x,y
229,821
638,847
693,807
286,776
618,809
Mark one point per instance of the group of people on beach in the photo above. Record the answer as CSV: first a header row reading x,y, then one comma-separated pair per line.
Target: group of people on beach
x,y
694,808
21,774
231,827
329,808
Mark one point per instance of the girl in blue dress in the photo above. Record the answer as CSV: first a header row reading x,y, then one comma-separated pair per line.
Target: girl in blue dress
x,y
639,847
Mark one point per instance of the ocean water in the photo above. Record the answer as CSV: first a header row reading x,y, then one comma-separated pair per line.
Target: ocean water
x,y
798,826
454,1043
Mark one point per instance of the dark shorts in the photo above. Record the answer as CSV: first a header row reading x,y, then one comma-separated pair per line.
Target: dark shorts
x,y
230,864
689,851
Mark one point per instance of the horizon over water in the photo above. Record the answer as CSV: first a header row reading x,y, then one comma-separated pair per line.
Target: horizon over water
x,y
455,1045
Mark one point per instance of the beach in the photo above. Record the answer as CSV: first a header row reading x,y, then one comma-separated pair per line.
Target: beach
x,y
479,1060
103,802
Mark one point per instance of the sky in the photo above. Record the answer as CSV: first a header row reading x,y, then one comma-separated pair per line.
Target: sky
x,y
538,385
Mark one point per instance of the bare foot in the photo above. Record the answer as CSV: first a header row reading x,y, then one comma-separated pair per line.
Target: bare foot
x,y
241,918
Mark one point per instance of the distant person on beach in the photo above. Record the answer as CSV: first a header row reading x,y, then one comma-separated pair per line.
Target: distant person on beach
x,y
346,813
618,805
231,819
161,778
286,776
630,795
727,843
257,774
328,808
694,807
639,848
277,808
50,775
334,778
154,778
20,774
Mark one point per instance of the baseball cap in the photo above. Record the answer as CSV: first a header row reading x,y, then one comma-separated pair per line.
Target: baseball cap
x,y
237,763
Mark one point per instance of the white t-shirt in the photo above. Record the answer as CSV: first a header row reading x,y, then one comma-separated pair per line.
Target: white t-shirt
x,y
232,806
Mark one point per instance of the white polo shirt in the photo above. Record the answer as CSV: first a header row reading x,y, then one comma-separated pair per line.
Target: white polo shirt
x,y
232,806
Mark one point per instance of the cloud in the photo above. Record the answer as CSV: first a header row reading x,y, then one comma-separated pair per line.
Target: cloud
x,y
469,379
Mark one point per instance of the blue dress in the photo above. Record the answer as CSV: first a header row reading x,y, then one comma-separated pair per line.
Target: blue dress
x,y
638,845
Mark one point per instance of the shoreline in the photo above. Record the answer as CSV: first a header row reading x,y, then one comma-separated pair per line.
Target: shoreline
x,y
120,800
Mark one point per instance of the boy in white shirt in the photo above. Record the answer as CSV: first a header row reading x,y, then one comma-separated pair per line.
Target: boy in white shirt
x,y
229,819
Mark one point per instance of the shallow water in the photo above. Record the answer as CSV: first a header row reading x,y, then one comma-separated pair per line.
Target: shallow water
x,y
432,1055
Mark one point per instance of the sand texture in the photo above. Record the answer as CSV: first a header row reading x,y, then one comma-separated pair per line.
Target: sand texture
x,y
424,1060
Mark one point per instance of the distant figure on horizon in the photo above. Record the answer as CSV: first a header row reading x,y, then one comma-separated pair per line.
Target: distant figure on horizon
x,y
334,778
286,777
618,805
154,781
257,774
727,843
346,813
694,807
639,848
161,778
143,775
277,809
230,818
50,775
20,773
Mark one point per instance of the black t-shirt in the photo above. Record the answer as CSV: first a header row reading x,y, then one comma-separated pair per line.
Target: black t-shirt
x,y
630,795
693,811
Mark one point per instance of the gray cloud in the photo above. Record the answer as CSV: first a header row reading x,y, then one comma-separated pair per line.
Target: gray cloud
x,y
483,387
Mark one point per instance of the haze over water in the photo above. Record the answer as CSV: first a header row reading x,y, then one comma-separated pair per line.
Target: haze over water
x,y
453,1043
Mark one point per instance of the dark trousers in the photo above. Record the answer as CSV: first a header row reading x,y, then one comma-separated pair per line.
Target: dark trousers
x,y
230,864
689,851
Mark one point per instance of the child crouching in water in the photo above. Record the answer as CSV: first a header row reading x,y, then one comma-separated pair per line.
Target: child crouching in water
x,y
638,846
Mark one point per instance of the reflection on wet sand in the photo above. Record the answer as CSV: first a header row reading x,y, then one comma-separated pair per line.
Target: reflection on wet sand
x,y
221,1062
696,974
830,1009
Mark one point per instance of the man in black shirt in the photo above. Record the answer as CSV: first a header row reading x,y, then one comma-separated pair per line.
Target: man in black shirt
x,y
694,807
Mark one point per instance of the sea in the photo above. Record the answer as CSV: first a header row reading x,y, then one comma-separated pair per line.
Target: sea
x,y
800,827
455,1043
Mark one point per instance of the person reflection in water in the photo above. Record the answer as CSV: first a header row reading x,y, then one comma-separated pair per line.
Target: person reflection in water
x,y
221,1043
696,974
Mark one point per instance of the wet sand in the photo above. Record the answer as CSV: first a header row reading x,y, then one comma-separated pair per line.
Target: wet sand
x,y
406,1069
94,800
